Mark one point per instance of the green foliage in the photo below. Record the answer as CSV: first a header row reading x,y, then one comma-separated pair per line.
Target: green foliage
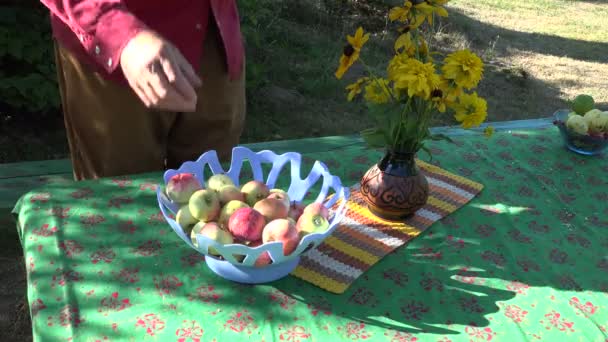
x,y
27,79
257,16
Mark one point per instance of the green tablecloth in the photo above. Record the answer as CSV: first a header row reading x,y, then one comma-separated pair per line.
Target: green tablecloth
x,y
525,260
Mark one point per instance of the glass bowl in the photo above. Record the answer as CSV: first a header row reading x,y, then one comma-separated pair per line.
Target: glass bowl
x,y
588,145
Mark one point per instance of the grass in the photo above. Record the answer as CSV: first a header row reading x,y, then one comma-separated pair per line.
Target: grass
x,y
537,55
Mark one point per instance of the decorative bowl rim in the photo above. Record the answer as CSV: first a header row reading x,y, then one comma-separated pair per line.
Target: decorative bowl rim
x,y
319,171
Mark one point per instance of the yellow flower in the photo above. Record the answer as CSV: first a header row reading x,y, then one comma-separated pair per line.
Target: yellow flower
x,y
418,78
464,67
400,13
351,51
415,15
441,100
471,110
427,9
404,42
356,88
488,131
377,91
450,89
395,64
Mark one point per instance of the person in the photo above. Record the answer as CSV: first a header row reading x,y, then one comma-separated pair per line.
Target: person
x,y
146,85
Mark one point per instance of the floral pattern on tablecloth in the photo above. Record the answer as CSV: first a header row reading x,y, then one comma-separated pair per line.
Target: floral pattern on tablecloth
x,y
525,260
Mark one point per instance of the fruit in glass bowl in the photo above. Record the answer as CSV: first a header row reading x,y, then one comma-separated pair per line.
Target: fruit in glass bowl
x,y
583,132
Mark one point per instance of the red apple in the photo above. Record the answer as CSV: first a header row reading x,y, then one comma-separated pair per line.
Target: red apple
x,y
316,208
254,191
181,186
282,230
246,224
228,209
213,231
271,208
295,210
204,205
264,258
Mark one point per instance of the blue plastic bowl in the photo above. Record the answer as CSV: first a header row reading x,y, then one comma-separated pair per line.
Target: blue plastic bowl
x,y
582,144
244,271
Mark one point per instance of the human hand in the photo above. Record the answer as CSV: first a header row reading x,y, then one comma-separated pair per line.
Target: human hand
x,y
158,73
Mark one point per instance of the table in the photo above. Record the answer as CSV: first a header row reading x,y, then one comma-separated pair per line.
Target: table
x,y
523,261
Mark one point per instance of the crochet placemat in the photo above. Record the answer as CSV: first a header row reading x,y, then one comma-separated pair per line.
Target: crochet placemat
x,y
362,239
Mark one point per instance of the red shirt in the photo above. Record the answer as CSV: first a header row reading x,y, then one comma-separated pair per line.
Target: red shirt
x,y
97,30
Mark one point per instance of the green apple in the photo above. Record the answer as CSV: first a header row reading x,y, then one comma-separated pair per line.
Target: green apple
x,y
577,124
228,193
310,223
213,231
282,195
184,218
254,191
204,205
217,181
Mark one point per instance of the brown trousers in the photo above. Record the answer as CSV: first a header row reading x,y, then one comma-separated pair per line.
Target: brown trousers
x,y
111,133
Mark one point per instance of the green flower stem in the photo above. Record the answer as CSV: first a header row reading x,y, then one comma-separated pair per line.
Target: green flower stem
x,y
401,120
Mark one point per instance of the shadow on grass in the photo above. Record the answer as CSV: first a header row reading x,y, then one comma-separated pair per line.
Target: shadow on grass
x,y
480,33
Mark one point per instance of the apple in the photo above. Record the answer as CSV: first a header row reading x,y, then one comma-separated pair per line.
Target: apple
x,y
295,210
254,191
311,223
217,181
282,230
280,195
228,209
271,208
246,224
228,193
181,186
316,208
184,218
264,258
204,205
213,231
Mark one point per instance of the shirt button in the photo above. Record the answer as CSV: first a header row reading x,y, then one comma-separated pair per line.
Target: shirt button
x,y
199,26
97,50
110,62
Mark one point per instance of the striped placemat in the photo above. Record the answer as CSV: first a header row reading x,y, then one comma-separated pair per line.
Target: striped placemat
x,y
362,239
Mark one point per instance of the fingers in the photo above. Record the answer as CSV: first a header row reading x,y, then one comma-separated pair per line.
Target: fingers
x,y
188,70
142,95
159,75
166,95
177,78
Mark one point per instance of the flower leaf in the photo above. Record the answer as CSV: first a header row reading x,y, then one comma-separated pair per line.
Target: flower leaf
x,y
428,152
437,137
374,138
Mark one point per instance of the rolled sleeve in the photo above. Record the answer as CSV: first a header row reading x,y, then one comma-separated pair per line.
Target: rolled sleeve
x,y
113,31
102,27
